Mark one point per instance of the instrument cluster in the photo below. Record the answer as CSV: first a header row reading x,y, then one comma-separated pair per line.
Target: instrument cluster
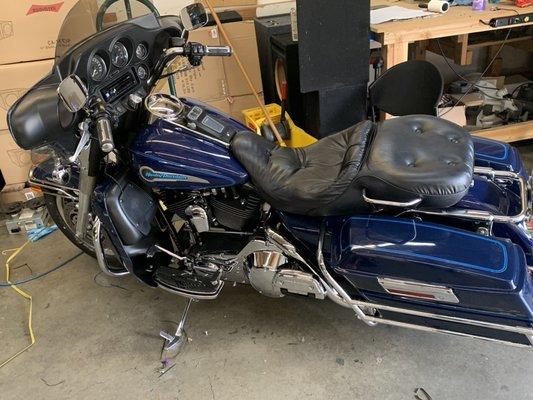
x,y
109,62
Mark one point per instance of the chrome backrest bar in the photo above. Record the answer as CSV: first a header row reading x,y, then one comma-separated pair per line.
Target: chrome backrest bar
x,y
400,204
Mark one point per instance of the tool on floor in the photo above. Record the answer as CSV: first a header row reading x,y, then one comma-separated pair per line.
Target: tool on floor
x,y
283,125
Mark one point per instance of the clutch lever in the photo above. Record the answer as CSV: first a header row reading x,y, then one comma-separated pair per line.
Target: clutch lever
x,y
84,139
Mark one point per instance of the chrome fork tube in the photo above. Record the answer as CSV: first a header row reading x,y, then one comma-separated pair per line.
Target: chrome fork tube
x,y
86,187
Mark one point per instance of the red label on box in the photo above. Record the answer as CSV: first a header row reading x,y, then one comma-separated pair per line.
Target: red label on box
x,y
35,8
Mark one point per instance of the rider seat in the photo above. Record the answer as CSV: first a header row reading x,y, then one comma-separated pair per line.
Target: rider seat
x,y
412,161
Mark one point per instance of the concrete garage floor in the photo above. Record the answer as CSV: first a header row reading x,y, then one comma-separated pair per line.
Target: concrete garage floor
x,y
97,341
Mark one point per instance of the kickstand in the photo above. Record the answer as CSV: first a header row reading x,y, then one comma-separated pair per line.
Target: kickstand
x,y
174,344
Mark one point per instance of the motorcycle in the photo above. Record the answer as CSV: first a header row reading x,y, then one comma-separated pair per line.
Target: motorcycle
x,y
410,222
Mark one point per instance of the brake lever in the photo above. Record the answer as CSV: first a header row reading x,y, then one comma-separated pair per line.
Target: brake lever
x,y
84,139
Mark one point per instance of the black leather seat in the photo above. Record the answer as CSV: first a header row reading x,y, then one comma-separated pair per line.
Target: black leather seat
x,y
400,160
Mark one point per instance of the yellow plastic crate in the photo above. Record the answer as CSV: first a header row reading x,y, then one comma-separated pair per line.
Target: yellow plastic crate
x,y
254,118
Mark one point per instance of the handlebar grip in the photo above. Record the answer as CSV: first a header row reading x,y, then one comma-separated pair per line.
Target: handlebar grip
x,y
105,134
220,51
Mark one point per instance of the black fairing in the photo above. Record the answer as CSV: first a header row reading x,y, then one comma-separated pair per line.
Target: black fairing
x,y
132,211
39,117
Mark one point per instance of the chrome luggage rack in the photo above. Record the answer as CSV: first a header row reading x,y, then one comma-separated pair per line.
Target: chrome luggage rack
x,y
498,177
495,175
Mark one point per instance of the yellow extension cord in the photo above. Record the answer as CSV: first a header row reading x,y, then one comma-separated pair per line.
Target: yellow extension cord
x,y
25,295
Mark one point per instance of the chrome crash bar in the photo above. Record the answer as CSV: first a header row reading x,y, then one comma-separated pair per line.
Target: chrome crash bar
x,y
494,175
362,308
56,188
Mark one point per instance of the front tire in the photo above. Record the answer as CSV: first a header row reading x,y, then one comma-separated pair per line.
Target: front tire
x,y
63,212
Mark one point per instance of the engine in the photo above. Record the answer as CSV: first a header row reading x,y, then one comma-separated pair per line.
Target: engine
x,y
233,209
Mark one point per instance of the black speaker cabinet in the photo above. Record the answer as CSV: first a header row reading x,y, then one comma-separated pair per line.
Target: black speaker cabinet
x,y
326,70
278,57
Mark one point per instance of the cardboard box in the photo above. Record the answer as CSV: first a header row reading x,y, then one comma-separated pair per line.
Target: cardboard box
x,y
242,37
456,114
18,194
29,30
171,7
15,163
234,105
16,79
220,77
207,81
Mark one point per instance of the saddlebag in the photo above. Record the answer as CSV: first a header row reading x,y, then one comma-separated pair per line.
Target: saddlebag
x,y
436,277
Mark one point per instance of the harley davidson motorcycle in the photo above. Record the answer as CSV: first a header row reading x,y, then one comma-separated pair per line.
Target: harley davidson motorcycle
x,y
410,222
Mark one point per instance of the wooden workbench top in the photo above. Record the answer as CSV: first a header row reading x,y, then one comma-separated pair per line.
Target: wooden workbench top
x,y
458,20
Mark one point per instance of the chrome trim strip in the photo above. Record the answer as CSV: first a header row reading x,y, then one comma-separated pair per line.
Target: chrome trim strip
x,y
418,290
411,203
199,134
448,332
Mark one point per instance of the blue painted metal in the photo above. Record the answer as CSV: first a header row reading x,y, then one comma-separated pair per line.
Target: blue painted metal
x,y
487,274
168,156
497,155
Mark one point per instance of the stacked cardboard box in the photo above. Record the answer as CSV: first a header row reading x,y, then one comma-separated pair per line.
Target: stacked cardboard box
x,y
219,81
247,8
28,40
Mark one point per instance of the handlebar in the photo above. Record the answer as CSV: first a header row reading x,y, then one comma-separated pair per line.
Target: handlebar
x,y
105,133
195,49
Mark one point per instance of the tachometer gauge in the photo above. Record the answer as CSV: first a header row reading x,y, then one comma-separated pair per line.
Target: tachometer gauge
x,y
97,68
141,51
119,55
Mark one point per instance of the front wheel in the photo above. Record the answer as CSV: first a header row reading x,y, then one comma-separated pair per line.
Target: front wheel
x,y
64,213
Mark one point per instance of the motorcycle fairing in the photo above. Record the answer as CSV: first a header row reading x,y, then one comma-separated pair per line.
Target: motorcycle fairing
x,y
131,233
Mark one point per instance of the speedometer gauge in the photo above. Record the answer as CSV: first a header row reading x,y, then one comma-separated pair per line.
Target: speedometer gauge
x,y
119,55
141,51
97,68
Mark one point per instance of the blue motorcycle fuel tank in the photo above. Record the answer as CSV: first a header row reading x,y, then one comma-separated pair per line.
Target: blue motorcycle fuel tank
x,y
172,156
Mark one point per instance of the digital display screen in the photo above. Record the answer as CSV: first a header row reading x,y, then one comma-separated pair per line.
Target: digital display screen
x,y
213,124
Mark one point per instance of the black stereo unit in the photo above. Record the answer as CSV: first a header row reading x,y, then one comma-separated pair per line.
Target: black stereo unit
x,y
511,20
119,87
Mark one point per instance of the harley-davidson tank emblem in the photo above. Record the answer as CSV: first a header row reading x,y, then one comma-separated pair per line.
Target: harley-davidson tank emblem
x,y
150,175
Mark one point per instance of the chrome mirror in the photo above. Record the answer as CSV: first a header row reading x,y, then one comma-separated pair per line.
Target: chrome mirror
x,y
193,16
73,93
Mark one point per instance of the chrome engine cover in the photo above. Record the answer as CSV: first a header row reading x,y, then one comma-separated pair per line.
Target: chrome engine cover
x,y
267,276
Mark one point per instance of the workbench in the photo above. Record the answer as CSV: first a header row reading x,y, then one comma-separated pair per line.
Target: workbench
x,y
458,22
